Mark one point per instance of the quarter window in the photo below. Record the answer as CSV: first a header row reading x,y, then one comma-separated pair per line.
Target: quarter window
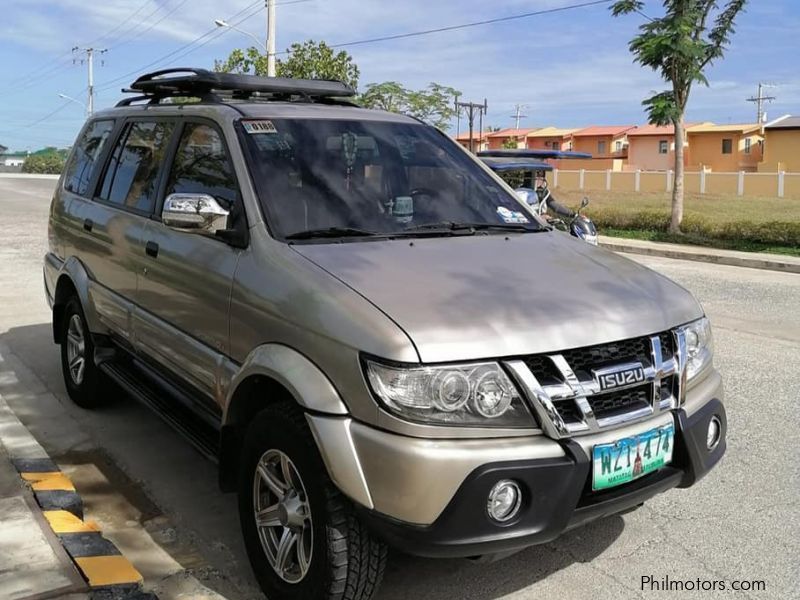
x,y
202,165
131,179
78,173
727,146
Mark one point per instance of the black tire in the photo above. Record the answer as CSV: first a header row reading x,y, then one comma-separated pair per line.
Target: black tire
x,y
85,391
346,562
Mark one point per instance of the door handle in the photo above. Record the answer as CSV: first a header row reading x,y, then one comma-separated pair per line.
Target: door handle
x,y
151,249
88,224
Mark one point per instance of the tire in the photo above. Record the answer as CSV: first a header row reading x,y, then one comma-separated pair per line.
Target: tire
x,y
82,378
342,560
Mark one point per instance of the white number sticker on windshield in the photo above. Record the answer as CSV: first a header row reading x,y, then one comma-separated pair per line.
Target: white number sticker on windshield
x,y
263,126
511,216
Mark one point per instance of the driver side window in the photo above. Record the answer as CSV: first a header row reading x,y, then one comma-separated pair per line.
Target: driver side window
x,y
202,165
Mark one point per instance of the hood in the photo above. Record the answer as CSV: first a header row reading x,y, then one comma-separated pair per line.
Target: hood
x,y
465,298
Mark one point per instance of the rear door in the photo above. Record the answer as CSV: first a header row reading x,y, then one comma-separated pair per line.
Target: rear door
x,y
114,219
184,293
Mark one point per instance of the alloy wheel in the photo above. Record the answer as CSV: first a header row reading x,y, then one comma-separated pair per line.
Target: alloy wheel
x,y
283,516
76,349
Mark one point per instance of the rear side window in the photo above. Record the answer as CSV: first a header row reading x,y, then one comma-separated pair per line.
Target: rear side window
x,y
131,179
202,165
78,173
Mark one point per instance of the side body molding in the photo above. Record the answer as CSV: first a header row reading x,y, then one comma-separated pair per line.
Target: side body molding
x,y
302,378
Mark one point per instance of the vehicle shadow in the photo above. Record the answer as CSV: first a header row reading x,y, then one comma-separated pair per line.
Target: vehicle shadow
x,y
183,484
412,577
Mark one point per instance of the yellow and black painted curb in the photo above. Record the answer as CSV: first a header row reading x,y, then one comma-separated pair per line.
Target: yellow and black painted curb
x,y
109,575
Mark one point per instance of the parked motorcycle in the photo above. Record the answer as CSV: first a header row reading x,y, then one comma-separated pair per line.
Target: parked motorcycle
x,y
525,171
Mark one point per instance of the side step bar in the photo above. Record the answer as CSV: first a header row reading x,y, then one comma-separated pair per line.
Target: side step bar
x,y
203,436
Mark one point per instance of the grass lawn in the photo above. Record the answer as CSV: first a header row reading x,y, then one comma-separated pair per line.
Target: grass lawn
x,y
752,224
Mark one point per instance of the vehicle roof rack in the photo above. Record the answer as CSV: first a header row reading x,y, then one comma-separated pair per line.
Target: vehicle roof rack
x,y
210,86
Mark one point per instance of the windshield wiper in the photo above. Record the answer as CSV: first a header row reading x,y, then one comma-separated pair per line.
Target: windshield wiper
x,y
469,228
330,232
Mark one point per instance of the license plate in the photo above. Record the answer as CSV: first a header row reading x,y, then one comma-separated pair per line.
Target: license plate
x,y
632,457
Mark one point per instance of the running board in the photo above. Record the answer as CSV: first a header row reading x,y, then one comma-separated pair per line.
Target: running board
x,y
194,428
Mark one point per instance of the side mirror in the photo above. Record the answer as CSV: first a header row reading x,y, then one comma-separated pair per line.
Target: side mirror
x,y
194,213
584,202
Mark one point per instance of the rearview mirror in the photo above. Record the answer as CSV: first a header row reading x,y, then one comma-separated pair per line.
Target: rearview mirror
x,y
194,213
584,202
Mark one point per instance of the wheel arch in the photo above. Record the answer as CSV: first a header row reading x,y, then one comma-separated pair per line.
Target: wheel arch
x,y
271,373
73,280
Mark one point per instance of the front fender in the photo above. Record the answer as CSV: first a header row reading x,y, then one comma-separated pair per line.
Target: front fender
x,y
304,380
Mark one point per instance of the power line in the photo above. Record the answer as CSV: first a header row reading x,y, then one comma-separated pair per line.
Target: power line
x,y
400,36
113,82
152,25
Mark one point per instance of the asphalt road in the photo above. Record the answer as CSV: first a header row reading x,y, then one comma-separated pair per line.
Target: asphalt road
x,y
740,523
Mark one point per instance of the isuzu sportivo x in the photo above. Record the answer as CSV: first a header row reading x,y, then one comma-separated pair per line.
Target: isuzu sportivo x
x,y
376,339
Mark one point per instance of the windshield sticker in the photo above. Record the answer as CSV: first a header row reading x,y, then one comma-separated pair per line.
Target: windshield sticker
x,y
511,216
252,127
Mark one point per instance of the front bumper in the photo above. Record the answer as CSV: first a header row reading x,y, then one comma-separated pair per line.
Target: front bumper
x,y
557,496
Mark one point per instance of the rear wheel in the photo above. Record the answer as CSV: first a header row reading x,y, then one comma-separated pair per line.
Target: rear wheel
x,y
302,536
82,378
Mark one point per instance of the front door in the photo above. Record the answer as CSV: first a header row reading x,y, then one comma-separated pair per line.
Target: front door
x,y
185,287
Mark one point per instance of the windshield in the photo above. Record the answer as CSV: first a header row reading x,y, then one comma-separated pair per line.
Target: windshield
x,y
336,178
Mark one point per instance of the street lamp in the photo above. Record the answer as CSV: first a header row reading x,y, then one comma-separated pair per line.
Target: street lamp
x,y
226,25
71,99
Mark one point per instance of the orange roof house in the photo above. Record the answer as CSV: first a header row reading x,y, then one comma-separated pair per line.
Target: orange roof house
x,y
602,141
724,148
497,139
548,138
480,140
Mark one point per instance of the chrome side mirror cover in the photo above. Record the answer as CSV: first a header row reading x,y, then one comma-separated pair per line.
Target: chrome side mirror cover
x,y
195,213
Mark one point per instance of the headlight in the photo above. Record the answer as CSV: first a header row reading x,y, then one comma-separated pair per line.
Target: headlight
x,y
478,394
699,347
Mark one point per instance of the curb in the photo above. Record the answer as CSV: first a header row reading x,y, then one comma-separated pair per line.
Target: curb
x,y
107,573
28,176
699,254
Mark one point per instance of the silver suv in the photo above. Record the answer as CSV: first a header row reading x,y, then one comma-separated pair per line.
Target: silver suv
x,y
377,341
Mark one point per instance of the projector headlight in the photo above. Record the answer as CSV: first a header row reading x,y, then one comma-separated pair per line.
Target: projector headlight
x,y
477,394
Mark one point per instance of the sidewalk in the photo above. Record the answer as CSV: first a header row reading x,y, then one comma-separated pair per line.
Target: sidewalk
x,y
33,564
753,260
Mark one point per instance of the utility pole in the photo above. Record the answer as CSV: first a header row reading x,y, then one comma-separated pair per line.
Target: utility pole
x,y
458,114
270,38
760,99
89,60
518,114
472,109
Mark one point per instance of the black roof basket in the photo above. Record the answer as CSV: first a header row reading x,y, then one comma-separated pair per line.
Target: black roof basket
x,y
207,85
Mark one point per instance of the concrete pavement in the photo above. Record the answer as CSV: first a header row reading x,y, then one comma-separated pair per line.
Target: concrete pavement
x,y
741,522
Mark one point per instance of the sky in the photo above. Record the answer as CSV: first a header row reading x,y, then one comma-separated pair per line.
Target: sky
x,y
569,68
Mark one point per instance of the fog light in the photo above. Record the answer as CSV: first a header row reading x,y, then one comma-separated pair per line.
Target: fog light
x,y
714,432
504,501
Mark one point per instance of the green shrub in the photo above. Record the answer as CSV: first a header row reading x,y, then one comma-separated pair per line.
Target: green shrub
x,y
779,233
51,163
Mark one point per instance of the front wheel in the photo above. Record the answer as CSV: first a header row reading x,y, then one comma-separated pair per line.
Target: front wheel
x,y
302,535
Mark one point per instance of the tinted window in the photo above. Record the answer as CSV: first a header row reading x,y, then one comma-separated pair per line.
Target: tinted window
x,y
78,172
375,176
601,147
202,166
131,179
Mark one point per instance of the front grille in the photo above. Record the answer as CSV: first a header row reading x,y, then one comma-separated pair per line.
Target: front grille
x,y
565,393
623,401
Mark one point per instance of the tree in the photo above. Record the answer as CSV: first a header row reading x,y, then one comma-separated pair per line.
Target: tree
x,y
433,105
309,60
510,143
49,162
679,46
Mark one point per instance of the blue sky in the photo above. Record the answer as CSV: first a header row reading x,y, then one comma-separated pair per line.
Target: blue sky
x,y
571,68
